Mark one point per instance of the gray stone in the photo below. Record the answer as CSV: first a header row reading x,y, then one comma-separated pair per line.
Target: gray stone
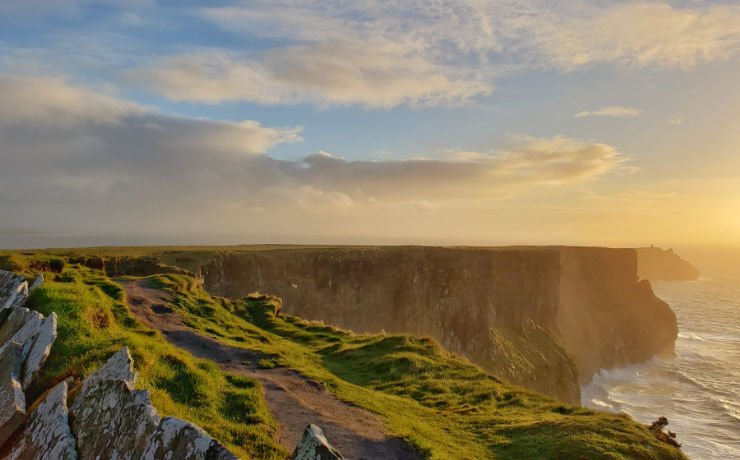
x,y
10,285
28,332
16,319
177,438
40,350
314,446
120,366
47,434
12,399
112,421
37,282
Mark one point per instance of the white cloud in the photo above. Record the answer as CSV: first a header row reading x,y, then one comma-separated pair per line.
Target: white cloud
x,y
675,120
609,111
73,155
374,74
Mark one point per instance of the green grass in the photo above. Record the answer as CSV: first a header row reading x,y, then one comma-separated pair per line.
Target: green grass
x,y
94,323
443,405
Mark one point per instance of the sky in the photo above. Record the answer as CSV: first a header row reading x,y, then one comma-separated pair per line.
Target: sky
x,y
476,122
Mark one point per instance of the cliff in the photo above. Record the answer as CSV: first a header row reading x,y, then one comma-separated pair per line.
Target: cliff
x,y
658,264
537,317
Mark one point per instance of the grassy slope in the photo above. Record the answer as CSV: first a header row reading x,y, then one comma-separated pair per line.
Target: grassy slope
x,y
94,322
446,407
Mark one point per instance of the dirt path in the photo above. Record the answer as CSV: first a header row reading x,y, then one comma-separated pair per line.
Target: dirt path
x,y
294,400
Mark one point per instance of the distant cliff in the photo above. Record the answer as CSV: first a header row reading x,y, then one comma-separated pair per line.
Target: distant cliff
x,y
658,264
538,317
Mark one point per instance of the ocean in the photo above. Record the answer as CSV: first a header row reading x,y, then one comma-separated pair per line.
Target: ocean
x,y
699,389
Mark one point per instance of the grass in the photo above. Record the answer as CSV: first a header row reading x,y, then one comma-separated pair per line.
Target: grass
x,y
94,323
441,404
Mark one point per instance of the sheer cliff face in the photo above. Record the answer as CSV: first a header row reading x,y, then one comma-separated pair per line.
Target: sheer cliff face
x,y
511,310
607,317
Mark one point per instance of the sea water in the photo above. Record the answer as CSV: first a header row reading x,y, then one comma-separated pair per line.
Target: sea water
x,y
699,389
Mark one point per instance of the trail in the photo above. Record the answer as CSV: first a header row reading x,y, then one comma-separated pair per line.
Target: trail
x,y
293,400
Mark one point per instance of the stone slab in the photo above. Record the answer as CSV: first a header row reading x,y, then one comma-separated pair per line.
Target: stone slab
x,y
47,434
12,398
40,350
314,445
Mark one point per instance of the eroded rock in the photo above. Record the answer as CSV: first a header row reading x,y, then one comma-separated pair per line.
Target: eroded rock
x,y
12,399
112,421
314,446
37,282
40,350
16,319
13,289
47,434
27,333
120,366
177,438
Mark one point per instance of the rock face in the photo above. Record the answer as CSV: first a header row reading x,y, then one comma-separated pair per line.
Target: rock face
x,y
40,349
517,312
656,264
112,420
314,446
47,434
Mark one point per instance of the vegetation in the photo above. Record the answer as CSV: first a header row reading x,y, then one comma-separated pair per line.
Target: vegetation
x,y
94,323
441,404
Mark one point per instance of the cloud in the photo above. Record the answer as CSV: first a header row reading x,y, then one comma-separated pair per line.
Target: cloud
x,y
374,74
609,111
74,157
675,121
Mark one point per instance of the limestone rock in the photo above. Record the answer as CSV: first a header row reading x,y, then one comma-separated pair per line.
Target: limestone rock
x,y
17,318
12,289
177,438
37,282
314,446
112,421
28,332
40,350
47,434
120,366
12,399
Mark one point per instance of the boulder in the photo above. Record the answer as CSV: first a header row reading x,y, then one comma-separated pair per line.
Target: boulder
x,y
112,421
177,438
12,399
40,350
314,446
47,434
120,366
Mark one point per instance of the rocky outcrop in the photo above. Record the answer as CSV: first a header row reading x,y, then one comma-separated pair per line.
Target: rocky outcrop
x,y
13,289
113,420
47,434
109,418
656,264
313,446
517,312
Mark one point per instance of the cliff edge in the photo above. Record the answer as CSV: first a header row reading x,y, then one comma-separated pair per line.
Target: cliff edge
x,y
545,318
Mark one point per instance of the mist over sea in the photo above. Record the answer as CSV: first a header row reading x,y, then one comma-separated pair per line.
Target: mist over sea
x,y
699,389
